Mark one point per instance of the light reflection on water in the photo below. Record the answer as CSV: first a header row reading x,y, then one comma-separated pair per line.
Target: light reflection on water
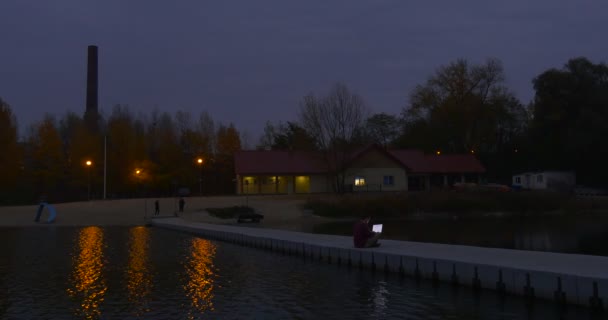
x,y
87,284
139,282
150,273
200,276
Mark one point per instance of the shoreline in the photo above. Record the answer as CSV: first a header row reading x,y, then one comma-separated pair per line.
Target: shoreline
x,y
281,212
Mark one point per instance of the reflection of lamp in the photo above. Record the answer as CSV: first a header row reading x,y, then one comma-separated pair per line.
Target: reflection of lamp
x,y
86,280
201,276
139,283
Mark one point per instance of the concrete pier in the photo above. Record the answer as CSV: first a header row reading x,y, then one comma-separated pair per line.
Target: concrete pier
x,y
563,278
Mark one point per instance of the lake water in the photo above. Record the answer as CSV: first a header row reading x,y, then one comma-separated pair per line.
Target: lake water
x,y
584,234
150,273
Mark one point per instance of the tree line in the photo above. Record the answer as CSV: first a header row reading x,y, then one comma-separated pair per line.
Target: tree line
x,y
461,108
145,155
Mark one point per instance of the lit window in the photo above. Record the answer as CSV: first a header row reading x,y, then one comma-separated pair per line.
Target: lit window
x,y
359,181
389,180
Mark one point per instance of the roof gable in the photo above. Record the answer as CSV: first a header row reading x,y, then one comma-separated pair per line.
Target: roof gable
x,y
278,162
454,163
304,162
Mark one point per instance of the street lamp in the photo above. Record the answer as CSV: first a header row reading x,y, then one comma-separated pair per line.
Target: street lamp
x,y
89,163
138,177
199,161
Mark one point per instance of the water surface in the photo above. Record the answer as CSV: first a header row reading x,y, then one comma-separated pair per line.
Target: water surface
x,y
151,273
582,234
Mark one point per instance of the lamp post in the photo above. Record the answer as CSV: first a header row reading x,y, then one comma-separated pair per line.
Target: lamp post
x,y
89,163
199,161
137,181
105,165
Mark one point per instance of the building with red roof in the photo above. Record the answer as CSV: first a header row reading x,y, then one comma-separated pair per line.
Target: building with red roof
x,y
372,168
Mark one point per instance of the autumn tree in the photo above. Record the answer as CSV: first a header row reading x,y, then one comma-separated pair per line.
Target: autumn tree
x,y
286,136
228,143
462,106
382,129
47,161
228,140
465,108
10,156
207,133
126,151
79,145
568,127
334,121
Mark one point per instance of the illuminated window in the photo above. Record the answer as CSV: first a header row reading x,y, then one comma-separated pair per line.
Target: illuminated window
x,y
389,180
359,181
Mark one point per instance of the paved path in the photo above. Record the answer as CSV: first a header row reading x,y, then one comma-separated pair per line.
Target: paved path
x,y
576,278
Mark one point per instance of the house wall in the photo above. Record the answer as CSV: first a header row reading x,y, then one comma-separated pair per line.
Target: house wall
x,y
302,184
320,184
521,183
374,166
546,180
374,179
262,184
538,181
560,181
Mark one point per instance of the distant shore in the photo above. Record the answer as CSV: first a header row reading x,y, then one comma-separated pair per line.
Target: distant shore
x,y
280,212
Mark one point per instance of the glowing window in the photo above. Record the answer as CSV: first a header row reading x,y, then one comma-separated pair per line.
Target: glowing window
x,y
359,181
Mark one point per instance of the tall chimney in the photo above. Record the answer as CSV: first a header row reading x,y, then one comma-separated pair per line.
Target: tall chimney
x,y
91,115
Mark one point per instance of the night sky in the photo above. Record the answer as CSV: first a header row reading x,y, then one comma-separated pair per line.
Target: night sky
x,y
250,61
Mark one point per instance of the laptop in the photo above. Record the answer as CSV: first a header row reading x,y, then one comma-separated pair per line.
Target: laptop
x,y
377,228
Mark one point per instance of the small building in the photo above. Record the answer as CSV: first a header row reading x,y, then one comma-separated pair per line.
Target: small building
x,y
545,180
372,168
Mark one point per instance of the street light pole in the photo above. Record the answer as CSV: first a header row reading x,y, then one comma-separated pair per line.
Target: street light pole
x,y
200,179
89,163
105,140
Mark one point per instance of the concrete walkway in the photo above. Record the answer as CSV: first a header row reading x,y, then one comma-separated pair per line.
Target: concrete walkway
x,y
564,278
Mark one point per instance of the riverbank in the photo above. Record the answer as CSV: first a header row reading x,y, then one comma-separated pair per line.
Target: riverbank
x,y
281,212
460,204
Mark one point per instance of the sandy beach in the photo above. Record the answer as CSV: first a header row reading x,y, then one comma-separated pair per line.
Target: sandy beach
x,y
280,212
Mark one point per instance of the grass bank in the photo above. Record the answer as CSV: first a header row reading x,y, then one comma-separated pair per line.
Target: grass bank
x,y
229,212
453,202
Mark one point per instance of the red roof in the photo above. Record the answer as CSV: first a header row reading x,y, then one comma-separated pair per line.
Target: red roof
x,y
279,162
454,163
413,160
299,162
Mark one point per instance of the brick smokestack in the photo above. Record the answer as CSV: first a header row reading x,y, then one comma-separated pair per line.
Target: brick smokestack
x,y
91,115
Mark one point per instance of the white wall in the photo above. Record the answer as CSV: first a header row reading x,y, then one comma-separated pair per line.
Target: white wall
x,y
320,183
375,177
546,180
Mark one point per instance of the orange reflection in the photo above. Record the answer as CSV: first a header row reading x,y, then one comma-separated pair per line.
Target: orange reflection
x,y
87,282
139,283
199,268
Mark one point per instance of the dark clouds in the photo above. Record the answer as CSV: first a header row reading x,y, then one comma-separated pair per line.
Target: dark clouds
x,y
251,61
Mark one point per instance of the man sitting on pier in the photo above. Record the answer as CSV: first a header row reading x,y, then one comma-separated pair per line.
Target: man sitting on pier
x,y
363,236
